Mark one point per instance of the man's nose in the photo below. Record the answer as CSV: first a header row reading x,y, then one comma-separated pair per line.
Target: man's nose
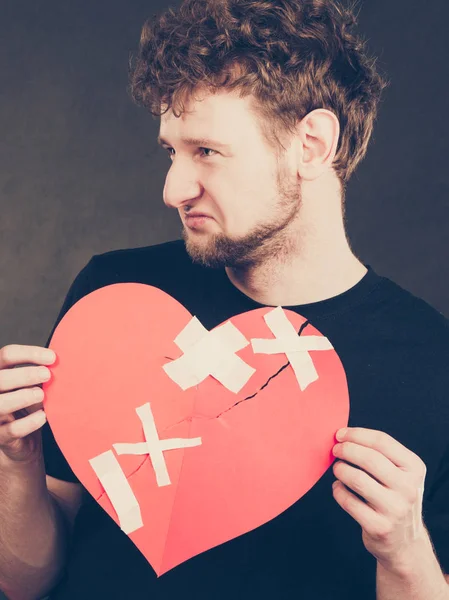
x,y
180,188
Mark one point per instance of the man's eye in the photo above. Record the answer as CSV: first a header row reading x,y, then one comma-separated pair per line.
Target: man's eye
x,y
210,149
207,149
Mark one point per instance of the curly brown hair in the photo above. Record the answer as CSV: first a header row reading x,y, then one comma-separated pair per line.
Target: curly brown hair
x,y
293,56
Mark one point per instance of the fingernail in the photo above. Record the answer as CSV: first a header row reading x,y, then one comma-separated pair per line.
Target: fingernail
x,y
341,434
38,393
44,374
49,356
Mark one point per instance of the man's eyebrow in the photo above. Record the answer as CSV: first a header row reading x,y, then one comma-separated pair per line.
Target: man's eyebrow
x,y
202,142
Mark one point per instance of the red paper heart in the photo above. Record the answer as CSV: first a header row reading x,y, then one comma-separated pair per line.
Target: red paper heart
x,y
262,449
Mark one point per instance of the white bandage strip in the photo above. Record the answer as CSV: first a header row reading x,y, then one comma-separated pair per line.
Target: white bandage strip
x,y
294,346
210,353
154,446
113,479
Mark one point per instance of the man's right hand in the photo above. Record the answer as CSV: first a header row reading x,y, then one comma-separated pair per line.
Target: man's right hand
x,y
21,412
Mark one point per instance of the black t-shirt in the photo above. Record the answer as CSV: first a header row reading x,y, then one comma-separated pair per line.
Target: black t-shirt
x,y
395,351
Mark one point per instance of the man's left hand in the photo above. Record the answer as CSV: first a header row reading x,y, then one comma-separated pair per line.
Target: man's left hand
x,y
390,478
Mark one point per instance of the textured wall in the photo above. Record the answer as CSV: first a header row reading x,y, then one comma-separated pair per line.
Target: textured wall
x,y
81,173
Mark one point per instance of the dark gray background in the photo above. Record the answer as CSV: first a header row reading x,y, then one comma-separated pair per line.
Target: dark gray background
x,y
80,171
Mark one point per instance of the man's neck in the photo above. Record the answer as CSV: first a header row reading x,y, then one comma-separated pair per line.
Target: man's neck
x,y
297,284
323,266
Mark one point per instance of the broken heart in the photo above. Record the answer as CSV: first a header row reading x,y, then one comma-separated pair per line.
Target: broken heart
x,y
260,407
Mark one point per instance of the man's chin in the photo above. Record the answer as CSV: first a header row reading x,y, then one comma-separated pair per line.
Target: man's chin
x,y
219,252
215,259
198,252
203,258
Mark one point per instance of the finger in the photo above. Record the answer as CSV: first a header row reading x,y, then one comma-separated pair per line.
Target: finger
x,y
18,414
378,496
365,515
7,419
15,401
382,442
12,379
373,462
34,407
20,428
15,354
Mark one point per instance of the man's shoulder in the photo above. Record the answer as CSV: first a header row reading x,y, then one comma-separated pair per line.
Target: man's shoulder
x,y
143,256
167,266
146,264
414,314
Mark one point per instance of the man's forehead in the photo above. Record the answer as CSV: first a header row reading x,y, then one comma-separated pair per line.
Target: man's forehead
x,y
196,130
211,115
223,121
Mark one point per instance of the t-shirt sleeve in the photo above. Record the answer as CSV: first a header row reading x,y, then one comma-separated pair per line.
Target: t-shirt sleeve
x,y
436,513
55,462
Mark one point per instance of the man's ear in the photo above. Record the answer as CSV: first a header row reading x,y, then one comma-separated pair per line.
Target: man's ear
x,y
317,141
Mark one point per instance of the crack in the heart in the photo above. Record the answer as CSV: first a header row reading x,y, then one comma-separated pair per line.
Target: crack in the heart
x,y
190,418
303,326
196,416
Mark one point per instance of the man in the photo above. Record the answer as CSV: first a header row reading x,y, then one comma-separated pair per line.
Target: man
x,y
263,225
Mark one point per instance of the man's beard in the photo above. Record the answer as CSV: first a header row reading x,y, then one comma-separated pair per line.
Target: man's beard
x,y
266,240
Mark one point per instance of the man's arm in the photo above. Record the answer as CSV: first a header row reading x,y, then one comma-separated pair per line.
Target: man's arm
x,y
421,578
33,533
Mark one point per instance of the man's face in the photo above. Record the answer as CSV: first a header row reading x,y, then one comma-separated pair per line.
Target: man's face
x,y
249,200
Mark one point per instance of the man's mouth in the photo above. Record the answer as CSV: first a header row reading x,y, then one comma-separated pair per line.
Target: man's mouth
x,y
197,220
